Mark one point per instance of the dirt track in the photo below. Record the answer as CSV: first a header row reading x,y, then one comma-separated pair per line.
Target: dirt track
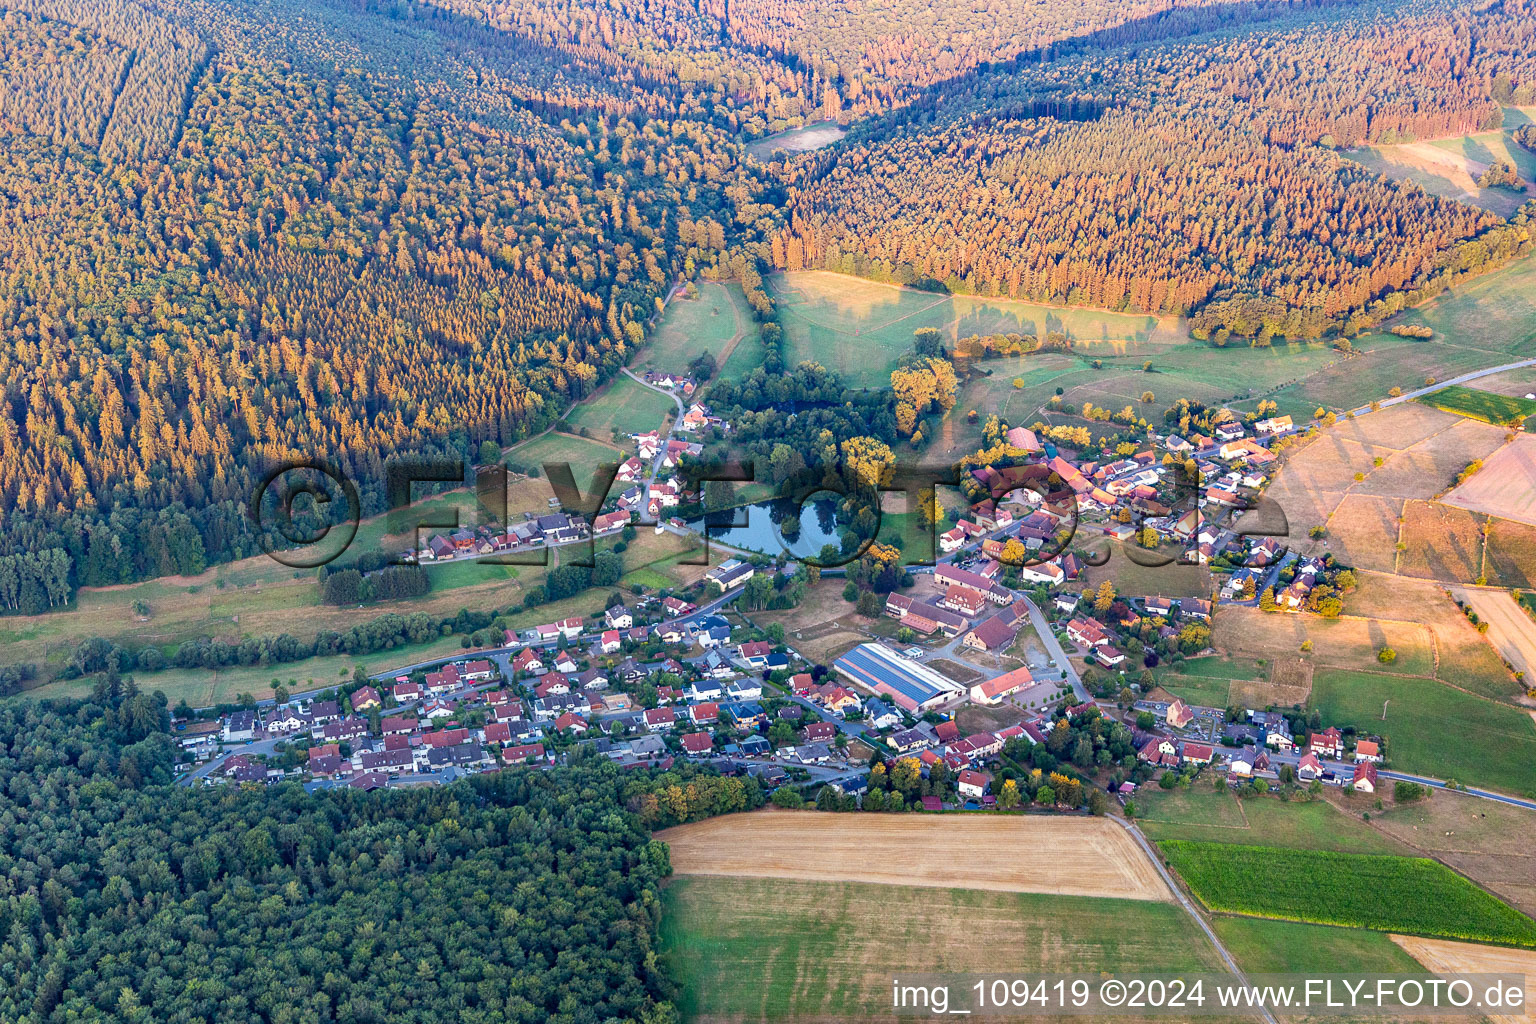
x,y
1509,628
1061,856
1444,957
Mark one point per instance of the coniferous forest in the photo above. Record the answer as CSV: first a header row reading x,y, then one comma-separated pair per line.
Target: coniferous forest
x,y
236,232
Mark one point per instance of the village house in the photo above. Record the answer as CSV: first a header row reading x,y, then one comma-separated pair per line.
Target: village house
x,y
1196,753
1328,743
1364,780
1086,632
1159,751
973,784
366,698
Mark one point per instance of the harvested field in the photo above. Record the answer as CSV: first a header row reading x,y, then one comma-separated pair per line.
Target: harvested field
x,y
1510,559
1445,957
1431,465
1397,426
1362,532
1018,853
1505,486
748,950
1465,657
1331,462
1510,629
1441,543
1345,642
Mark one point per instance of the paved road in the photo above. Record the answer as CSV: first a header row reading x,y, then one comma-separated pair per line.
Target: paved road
x,y
1189,907
1053,647
1409,396
1513,801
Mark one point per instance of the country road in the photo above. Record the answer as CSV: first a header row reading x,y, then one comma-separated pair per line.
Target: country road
x,y
1409,396
1178,894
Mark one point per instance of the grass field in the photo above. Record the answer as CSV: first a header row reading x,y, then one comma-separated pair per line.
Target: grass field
x,y
624,406
1450,167
582,454
1199,814
691,327
1204,691
1287,947
1412,895
202,687
862,328
752,949
1489,842
922,850
1343,643
1481,405
1424,721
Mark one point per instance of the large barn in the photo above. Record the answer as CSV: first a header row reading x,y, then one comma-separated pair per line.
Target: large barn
x,y
911,684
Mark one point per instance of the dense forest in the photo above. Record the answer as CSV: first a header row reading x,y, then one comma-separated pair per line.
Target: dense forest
x,y
521,896
1195,173
238,232
363,239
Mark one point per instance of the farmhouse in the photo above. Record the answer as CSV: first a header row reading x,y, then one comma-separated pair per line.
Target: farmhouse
x,y
994,690
964,601
992,635
948,576
912,685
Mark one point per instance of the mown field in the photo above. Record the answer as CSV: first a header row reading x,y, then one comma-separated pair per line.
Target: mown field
x,y
582,454
1288,947
691,327
861,328
1434,729
750,949
1481,405
623,407
1201,815
1412,895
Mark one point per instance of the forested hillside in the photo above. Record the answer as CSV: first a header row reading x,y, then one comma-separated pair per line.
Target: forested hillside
x,y
1190,175
235,232
367,239
518,896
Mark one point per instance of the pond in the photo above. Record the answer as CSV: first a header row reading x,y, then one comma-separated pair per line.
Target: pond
x,y
763,529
